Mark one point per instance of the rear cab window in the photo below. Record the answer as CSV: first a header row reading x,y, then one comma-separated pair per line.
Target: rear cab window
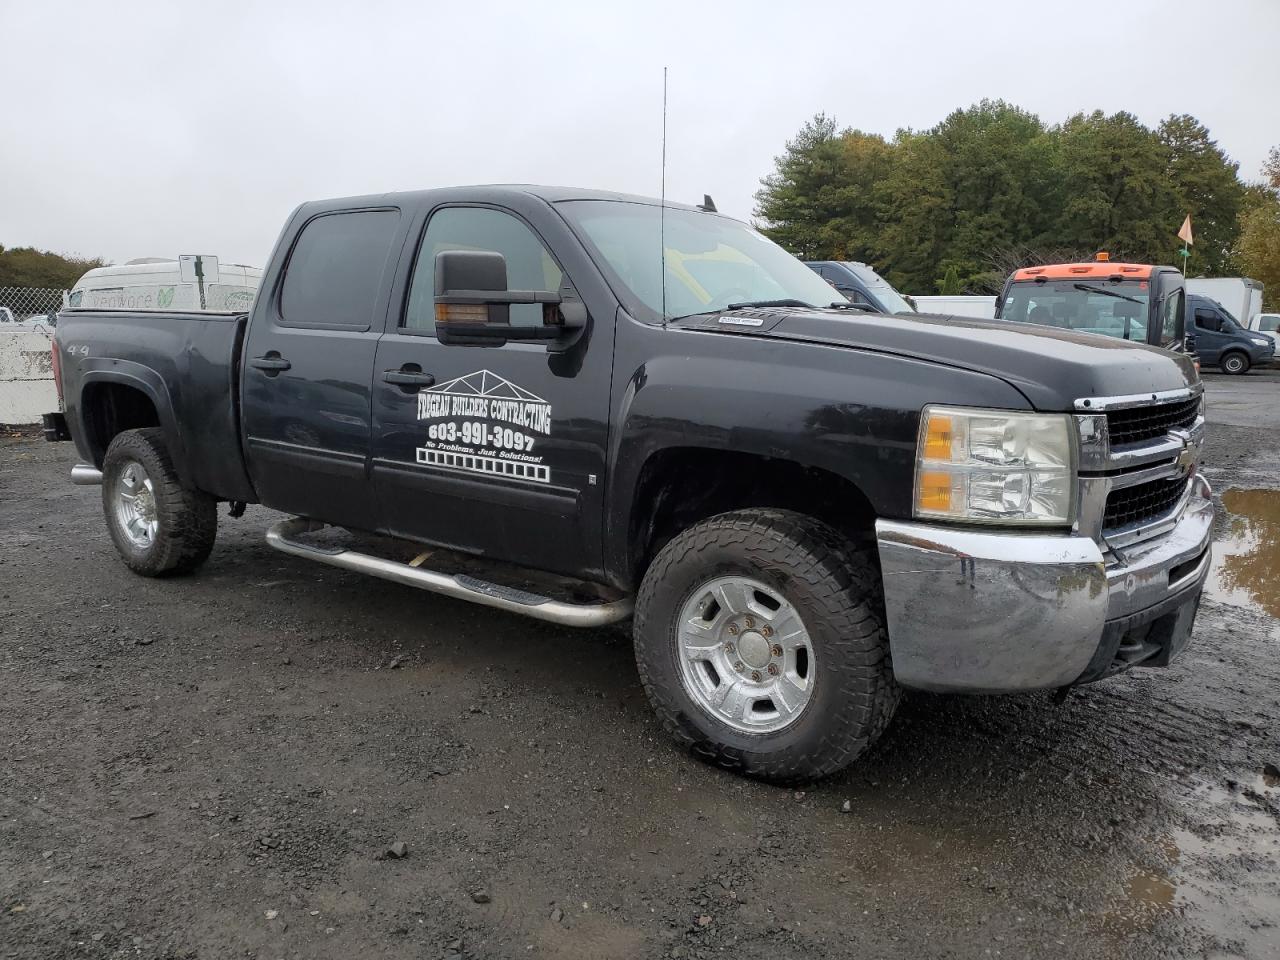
x,y
335,271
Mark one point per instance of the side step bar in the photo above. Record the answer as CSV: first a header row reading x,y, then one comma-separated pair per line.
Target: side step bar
x,y
280,535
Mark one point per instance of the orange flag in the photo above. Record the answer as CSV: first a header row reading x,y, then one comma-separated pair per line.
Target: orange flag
x,y
1184,234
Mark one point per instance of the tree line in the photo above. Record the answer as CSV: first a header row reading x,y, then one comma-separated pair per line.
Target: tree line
x,y
29,267
954,208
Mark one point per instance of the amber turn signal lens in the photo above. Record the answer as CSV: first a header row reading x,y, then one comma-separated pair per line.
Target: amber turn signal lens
x,y
934,491
462,313
937,441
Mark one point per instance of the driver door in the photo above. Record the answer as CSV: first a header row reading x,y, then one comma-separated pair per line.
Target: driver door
x,y
498,451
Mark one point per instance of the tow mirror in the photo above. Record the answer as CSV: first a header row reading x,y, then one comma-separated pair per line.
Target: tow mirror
x,y
473,304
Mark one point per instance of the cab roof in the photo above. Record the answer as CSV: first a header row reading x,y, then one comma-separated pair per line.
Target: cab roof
x,y
1104,268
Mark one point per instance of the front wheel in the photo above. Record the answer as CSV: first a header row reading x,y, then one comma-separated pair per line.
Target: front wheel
x,y
761,643
1235,363
158,527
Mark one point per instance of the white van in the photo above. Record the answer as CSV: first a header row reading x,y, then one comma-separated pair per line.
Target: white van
x,y
155,283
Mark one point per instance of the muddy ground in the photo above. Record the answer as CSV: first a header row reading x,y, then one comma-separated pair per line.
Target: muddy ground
x,y
214,766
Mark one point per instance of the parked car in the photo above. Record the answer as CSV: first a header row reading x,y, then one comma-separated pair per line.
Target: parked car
x,y
1268,325
6,315
1220,341
804,509
860,284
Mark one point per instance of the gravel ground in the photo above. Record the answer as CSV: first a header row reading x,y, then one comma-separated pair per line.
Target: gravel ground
x,y
221,765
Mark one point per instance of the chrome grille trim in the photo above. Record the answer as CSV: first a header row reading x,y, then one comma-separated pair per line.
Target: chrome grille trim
x,y
1102,469
1099,404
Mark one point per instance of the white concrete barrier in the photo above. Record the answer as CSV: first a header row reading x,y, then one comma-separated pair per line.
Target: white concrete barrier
x,y
27,389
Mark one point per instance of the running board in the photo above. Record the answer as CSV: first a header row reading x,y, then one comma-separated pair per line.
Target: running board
x,y
280,536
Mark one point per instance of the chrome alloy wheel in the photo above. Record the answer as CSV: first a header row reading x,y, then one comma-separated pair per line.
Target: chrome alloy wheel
x,y
135,505
745,655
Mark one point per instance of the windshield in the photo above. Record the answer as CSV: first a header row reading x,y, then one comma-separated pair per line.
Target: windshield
x,y
1270,323
1112,308
711,261
893,301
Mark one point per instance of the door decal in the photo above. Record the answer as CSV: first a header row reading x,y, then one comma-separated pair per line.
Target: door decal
x,y
482,423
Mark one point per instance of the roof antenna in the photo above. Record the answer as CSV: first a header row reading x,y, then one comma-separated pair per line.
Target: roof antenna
x,y
662,209
707,205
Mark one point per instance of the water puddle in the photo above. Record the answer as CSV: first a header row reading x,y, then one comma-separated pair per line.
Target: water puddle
x,y
1246,560
1222,877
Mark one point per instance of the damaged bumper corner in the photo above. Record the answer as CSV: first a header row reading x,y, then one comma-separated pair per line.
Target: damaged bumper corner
x,y
974,611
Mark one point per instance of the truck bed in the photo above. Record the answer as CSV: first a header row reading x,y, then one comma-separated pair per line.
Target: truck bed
x,y
181,369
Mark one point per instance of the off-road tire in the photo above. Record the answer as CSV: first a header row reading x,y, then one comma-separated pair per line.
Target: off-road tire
x,y
835,587
1234,362
187,519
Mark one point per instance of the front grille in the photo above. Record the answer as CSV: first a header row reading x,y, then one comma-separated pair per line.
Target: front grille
x,y
1135,424
1143,501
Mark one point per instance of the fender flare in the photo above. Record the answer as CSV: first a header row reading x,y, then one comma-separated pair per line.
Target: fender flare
x,y
147,382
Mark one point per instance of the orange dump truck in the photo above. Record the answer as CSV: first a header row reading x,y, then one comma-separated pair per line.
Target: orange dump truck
x,y
1130,301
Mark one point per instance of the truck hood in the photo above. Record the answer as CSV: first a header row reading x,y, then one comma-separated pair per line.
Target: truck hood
x,y
1052,368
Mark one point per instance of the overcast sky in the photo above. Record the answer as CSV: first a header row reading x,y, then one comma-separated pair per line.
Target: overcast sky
x,y
153,129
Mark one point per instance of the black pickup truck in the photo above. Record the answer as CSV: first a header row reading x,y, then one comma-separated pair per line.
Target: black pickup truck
x,y
803,507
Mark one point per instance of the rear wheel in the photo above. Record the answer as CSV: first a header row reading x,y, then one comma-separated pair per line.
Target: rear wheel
x,y
761,644
1235,363
158,527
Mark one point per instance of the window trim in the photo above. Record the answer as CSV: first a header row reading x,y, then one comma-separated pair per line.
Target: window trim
x,y
277,302
402,329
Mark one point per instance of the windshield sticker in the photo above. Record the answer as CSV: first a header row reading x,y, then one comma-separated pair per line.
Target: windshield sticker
x,y
482,423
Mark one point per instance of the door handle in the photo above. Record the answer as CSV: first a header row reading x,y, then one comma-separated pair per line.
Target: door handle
x,y
274,364
408,378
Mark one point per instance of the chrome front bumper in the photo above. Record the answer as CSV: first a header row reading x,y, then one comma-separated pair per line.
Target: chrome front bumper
x,y
998,612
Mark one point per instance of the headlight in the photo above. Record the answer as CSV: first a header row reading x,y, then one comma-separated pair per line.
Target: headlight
x,y
1260,342
995,466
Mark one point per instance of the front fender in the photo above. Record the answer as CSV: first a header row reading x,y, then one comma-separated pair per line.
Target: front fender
x,y
852,413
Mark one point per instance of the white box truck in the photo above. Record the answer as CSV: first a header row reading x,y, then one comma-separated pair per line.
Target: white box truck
x,y
155,283
1241,296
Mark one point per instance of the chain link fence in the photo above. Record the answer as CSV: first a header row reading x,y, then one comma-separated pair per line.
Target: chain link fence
x,y
26,363
19,304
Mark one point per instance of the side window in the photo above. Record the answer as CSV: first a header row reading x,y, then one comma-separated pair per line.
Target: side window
x,y
1208,320
1174,305
529,264
1270,323
335,270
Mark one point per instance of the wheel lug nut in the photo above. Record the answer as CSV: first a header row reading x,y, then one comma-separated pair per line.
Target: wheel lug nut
x,y
733,629
767,630
776,649
740,666
755,675
750,622
728,648
773,669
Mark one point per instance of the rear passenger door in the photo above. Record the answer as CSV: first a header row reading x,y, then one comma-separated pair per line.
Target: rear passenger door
x,y
308,365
